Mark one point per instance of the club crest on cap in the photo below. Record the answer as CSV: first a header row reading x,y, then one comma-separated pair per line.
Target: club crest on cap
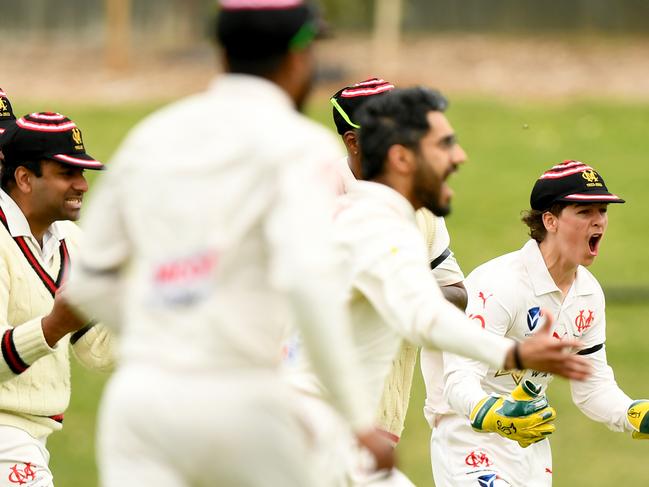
x,y
76,138
4,108
592,177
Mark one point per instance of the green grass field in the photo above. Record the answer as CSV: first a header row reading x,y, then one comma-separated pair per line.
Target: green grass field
x,y
509,146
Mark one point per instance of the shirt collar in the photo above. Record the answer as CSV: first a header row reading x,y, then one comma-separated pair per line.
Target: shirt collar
x,y
385,194
252,88
541,279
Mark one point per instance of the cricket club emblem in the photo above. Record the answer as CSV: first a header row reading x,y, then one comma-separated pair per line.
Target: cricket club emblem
x,y
20,476
478,458
583,322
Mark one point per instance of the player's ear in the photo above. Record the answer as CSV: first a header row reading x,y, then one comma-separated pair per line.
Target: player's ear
x,y
549,222
351,142
23,177
402,159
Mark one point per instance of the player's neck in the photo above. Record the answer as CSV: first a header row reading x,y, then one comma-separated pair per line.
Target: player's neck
x,y
562,271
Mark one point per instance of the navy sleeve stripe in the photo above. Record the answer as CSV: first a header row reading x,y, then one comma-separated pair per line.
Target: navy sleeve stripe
x,y
588,351
10,354
440,258
76,336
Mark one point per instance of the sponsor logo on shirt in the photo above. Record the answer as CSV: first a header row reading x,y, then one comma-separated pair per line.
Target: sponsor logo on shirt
x,y
184,280
533,317
484,298
517,375
489,480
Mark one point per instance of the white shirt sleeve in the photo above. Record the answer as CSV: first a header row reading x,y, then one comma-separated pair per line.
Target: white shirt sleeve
x,y
304,264
395,278
599,397
463,376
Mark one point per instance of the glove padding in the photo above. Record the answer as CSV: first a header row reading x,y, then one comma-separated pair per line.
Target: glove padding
x,y
525,416
639,419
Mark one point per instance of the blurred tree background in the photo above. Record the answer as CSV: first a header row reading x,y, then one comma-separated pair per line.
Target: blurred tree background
x,y
183,20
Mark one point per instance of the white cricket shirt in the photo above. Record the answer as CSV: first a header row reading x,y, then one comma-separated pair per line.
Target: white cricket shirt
x,y
210,234
392,293
505,296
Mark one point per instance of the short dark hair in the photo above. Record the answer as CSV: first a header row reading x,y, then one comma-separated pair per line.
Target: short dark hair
x,y
256,41
7,172
399,117
534,220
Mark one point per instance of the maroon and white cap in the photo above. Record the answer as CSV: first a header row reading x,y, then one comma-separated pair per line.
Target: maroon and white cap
x,y
46,135
570,182
349,99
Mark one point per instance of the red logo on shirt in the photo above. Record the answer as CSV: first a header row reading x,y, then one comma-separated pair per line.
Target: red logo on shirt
x,y
584,322
20,476
185,269
479,318
484,298
478,458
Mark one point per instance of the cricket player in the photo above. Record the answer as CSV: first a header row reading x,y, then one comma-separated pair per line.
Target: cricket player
x,y
391,414
203,282
408,151
42,189
567,221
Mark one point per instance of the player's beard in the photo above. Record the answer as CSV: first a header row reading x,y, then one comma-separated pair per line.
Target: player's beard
x,y
427,189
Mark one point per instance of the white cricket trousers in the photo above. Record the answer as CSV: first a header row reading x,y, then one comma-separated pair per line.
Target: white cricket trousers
x,y
338,458
23,459
462,457
235,429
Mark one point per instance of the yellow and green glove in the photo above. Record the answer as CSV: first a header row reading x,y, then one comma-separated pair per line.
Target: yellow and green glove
x,y
639,419
525,416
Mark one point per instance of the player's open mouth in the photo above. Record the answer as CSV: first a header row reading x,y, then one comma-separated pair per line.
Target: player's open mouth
x,y
593,243
73,203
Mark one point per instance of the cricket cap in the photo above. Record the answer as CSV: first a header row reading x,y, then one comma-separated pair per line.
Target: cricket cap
x,y
257,29
570,182
45,135
7,116
349,99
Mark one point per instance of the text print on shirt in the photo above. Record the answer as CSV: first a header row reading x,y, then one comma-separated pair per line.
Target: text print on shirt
x,y
184,280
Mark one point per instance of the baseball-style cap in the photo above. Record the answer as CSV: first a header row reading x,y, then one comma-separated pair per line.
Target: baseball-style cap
x,y
7,116
570,182
46,135
256,29
350,98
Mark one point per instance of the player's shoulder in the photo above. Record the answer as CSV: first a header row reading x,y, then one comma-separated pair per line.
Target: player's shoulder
x,y
503,274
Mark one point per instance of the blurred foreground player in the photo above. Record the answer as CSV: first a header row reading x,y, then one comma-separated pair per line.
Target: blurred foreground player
x,y
205,279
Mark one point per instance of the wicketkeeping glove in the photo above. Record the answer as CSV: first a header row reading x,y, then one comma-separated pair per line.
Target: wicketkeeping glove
x,y
638,417
525,416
